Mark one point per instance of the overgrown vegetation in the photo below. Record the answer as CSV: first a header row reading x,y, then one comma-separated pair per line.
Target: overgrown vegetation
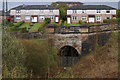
x,y
100,63
110,21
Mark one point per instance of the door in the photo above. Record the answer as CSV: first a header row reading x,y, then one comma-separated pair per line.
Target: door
x,y
56,19
92,20
34,19
68,20
12,19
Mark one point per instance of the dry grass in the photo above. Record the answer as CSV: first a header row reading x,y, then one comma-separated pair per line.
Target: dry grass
x,y
101,63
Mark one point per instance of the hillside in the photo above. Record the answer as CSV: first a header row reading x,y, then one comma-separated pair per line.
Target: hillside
x,y
100,63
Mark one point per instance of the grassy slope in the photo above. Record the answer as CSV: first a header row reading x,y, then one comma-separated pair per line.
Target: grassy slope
x,y
101,63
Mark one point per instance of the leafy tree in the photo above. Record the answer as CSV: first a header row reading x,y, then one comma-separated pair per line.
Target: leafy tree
x,y
63,10
118,13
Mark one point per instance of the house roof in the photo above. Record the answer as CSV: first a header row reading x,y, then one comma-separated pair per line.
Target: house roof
x,y
27,7
69,2
89,7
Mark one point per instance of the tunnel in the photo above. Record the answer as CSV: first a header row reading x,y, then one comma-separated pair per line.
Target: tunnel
x,y
68,56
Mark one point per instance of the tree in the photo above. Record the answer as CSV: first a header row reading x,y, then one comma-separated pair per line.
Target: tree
x,y
118,13
63,10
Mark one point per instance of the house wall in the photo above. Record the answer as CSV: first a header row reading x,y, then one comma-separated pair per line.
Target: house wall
x,y
79,15
37,13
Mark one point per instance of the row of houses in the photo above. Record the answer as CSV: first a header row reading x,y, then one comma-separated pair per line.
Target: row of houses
x,y
77,11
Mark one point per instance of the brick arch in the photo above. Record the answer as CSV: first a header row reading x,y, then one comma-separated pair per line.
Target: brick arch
x,y
75,47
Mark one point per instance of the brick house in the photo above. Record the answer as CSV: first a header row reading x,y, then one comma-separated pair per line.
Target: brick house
x,y
34,13
90,13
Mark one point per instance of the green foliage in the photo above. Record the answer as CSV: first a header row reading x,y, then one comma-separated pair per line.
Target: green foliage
x,y
41,57
63,10
118,13
11,24
19,23
65,23
47,20
5,22
23,30
81,22
110,21
60,22
13,57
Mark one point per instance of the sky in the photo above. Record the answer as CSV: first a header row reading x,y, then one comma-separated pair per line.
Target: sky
x,y
61,0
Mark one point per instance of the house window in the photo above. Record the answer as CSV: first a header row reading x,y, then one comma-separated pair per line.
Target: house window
x,y
18,11
51,10
74,18
84,18
98,11
42,18
51,17
108,17
74,11
18,17
83,11
98,18
27,11
41,11
27,18
108,11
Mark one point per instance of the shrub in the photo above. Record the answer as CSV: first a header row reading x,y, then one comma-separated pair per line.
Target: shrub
x,y
13,57
5,22
60,22
23,30
48,20
110,21
65,24
81,22
11,24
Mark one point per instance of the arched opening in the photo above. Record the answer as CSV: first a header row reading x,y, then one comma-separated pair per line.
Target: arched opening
x,y
68,56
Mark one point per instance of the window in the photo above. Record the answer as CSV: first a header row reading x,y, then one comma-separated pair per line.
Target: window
x,y
41,11
98,18
42,18
83,11
18,17
74,11
84,18
98,11
51,17
108,11
18,11
27,11
108,17
74,18
27,18
51,10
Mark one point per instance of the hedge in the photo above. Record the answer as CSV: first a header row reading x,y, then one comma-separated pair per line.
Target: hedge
x,y
110,21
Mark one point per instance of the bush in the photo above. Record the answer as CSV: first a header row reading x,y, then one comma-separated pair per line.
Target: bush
x,y
41,57
65,24
6,21
81,22
19,23
13,57
11,24
23,30
60,22
47,20
109,21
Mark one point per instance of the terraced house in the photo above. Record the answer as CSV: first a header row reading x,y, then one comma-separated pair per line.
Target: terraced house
x,y
90,13
34,13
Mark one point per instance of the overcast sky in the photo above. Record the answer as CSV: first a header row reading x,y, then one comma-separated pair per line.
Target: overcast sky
x,y
61,0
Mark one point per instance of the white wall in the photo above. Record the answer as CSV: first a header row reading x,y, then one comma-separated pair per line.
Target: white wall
x,y
35,12
91,12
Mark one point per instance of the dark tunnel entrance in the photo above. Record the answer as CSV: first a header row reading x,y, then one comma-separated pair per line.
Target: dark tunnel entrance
x,y
68,56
